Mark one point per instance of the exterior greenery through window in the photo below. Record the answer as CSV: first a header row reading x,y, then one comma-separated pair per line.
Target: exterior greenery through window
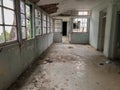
x,y
8,32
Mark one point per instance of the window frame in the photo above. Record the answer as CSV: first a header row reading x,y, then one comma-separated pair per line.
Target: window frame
x,y
79,28
58,28
51,25
40,32
27,3
4,25
43,13
83,13
48,23
25,20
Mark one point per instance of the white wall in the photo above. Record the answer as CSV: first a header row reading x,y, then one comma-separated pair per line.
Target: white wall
x,y
94,23
110,27
108,30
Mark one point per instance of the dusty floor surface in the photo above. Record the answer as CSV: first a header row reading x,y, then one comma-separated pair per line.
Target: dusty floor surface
x,y
70,67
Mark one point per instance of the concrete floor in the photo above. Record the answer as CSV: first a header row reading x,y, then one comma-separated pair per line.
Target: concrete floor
x,y
70,67
65,39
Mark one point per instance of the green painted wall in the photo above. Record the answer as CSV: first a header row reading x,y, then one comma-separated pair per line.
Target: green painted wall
x,y
14,59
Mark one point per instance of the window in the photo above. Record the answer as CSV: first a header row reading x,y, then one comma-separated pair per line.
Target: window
x,y
80,25
51,25
29,23
8,31
58,25
23,19
48,24
38,22
44,23
83,13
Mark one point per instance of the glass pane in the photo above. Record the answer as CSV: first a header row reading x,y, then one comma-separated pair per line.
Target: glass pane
x,y
80,25
27,11
0,16
44,30
28,25
22,20
9,17
2,38
8,3
36,14
11,33
23,33
44,23
37,30
37,22
44,17
22,6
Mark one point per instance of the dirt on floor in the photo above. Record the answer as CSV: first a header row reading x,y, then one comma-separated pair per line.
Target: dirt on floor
x,y
70,67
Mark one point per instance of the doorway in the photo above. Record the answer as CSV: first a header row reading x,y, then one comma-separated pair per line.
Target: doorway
x,y
65,38
64,30
102,28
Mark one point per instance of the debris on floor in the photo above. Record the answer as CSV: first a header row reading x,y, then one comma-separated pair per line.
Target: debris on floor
x,y
101,64
70,47
62,68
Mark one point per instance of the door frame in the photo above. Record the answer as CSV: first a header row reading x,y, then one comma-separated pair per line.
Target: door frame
x,y
100,31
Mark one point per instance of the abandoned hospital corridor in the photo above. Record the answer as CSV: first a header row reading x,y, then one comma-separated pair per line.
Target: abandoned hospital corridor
x,y
70,67
59,44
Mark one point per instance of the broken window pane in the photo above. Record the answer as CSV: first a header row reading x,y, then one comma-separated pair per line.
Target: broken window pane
x,y
0,16
9,17
2,38
22,20
8,3
11,33
23,33
22,7
80,25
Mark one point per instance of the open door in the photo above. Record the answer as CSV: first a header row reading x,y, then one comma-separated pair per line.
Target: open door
x,y
58,30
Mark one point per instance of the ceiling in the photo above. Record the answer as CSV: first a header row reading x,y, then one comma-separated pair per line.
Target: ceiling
x,y
62,6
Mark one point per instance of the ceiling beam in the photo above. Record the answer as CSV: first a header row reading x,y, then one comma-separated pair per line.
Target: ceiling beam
x,y
50,8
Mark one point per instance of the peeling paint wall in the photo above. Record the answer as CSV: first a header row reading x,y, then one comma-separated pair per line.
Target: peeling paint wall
x,y
14,59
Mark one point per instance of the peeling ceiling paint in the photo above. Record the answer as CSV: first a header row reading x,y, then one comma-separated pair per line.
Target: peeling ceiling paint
x,y
65,5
